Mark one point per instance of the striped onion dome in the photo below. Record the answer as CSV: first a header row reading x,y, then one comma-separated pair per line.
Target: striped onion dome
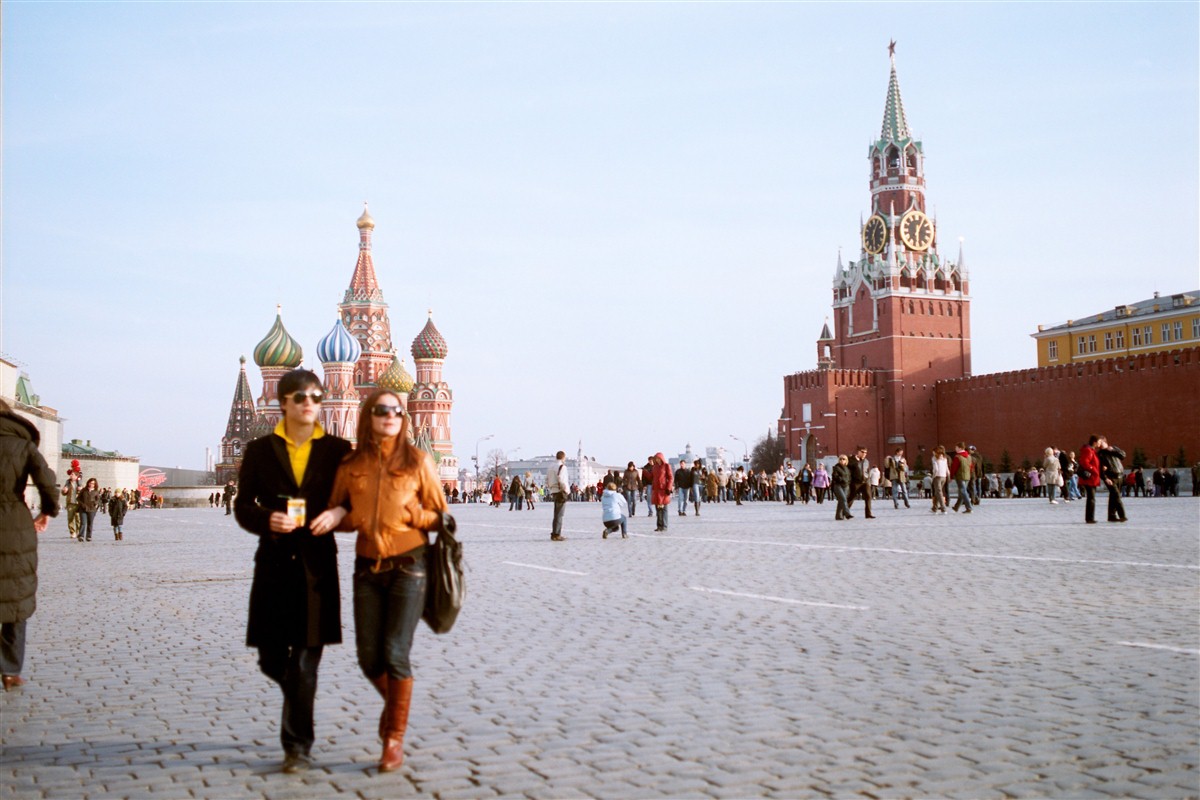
x,y
339,346
278,348
396,378
429,342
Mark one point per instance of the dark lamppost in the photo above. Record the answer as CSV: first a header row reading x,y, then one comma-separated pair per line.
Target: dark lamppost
x,y
475,458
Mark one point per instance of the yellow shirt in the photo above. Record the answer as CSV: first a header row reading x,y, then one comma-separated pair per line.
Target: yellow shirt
x,y
298,453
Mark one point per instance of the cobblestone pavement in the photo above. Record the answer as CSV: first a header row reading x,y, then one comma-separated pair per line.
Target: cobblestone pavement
x,y
760,651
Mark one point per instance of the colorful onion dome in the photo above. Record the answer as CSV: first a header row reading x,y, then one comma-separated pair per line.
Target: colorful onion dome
x,y
429,342
338,346
365,220
278,348
396,378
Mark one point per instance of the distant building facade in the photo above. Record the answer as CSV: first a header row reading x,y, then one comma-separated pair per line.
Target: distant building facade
x,y
110,469
1156,325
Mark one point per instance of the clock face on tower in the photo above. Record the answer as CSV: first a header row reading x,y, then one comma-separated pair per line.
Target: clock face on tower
x,y
875,235
916,231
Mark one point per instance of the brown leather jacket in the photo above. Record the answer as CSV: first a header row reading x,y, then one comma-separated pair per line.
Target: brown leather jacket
x,y
391,513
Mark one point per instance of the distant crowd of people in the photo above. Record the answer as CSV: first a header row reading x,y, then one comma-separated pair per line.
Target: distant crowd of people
x,y
956,473
84,502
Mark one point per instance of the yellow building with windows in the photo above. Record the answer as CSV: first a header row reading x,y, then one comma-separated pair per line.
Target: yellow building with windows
x,y
1157,325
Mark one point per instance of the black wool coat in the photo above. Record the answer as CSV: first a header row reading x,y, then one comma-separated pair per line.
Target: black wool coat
x,y
294,599
20,461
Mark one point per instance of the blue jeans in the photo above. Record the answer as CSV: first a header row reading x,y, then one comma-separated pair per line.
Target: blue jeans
x,y
611,525
387,608
295,670
899,491
631,499
964,495
681,496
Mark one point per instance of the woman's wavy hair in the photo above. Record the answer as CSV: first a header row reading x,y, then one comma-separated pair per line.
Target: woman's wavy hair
x,y
405,456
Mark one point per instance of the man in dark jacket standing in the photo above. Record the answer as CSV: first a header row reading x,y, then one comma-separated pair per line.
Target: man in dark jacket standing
x,y
684,478
295,605
860,480
1112,472
20,460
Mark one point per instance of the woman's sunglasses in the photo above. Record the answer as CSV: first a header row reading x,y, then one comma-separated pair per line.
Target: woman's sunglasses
x,y
299,397
382,410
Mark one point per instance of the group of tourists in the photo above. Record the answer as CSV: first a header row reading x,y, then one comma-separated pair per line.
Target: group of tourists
x,y
224,497
84,502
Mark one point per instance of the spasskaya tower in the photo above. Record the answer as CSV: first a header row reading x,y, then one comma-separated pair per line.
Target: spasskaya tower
x,y
901,318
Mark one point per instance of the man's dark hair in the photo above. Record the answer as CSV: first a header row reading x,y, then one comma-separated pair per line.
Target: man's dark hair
x,y
560,454
1095,437
295,381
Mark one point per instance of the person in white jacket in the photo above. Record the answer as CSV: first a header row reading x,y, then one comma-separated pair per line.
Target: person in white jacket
x,y
557,486
1053,474
614,510
941,471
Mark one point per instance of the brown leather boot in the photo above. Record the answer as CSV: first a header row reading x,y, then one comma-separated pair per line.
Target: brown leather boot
x,y
399,698
380,684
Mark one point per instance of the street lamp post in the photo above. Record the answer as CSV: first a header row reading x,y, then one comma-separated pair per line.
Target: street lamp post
x,y
476,457
745,450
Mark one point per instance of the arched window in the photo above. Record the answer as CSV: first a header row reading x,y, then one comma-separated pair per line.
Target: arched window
x,y
893,160
910,156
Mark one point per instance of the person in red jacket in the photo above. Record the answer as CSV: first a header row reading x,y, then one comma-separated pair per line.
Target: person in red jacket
x,y
662,487
497,491
1088,475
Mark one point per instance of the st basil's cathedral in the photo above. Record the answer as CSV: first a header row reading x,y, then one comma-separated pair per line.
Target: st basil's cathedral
x,y
356,356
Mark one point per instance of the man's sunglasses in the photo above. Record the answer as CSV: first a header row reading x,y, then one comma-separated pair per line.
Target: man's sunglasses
x,y
383,410
299,397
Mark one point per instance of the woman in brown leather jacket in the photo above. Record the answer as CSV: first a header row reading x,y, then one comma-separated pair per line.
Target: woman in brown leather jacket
x,y
388,491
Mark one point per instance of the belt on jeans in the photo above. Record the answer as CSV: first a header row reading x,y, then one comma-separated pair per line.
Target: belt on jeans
x,y
384,564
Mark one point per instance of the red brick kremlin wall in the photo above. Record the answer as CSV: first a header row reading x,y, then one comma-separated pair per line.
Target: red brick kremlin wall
x,y
849,395
1150,401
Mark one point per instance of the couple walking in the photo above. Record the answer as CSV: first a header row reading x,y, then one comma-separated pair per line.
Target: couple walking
x,y
296,486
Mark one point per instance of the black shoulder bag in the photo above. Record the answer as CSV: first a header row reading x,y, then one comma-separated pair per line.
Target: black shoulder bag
x,y
444,587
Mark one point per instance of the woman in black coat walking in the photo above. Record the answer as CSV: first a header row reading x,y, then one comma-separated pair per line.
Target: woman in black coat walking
x,y
116,514
19,461
89,504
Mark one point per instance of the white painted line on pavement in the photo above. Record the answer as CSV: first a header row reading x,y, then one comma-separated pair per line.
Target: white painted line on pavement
x,y
1161,647
947,554
547,569
788,600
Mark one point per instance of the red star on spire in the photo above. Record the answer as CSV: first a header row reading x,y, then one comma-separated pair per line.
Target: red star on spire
x,y
892,48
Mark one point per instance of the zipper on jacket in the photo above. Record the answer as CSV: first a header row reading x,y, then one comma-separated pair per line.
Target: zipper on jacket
x,y
375,515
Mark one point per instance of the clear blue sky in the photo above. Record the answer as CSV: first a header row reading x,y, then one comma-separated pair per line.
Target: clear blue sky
x,y
625,217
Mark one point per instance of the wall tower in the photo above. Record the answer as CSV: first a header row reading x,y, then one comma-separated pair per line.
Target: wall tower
x,y
339,352
277,354
901,314
431,399
364,313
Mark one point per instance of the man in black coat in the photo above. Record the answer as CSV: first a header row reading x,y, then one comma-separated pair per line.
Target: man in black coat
x,y
860,483
295,605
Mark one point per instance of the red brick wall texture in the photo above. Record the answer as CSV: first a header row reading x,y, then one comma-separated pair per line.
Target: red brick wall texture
x,y
1149,401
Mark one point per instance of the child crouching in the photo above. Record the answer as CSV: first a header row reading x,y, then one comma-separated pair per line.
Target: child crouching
x,y
614,510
